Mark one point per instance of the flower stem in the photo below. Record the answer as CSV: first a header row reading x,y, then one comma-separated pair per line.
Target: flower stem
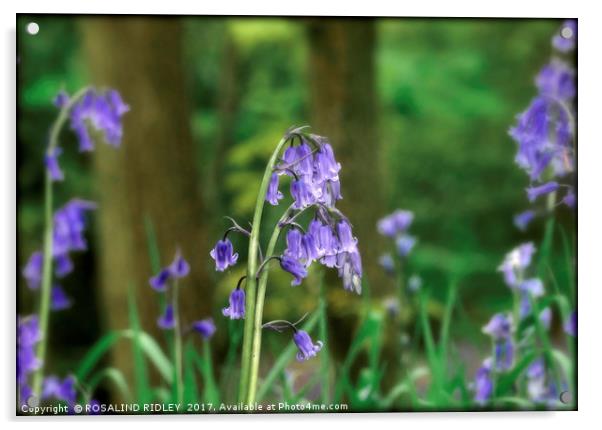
x,y
251,286
258,315
48,233
178,345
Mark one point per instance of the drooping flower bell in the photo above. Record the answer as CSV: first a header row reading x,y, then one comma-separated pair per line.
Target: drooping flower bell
x,y
404,244
523,219
167,321
179,268
236,310
224,255
570,326
307,348
396,223
515,263
483,385
61,390
205,328
69,227
294,267
159,281
28,335
52,164
32,272
500,329
59,299
273,195
102,111
534,192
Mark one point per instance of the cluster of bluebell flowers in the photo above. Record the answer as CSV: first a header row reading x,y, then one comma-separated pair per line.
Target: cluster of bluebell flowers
x,y
545,131
308,161
65,228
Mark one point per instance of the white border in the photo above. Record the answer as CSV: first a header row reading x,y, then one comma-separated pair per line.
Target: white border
x,y
590,157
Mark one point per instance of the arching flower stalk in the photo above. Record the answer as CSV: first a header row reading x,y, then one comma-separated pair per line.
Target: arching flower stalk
x,y
309,162
63,230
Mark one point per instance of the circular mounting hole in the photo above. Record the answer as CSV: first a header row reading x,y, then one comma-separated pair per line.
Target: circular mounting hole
x,y
33,28
566,32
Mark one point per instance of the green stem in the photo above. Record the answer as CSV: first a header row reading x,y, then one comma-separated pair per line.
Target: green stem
x,y
178,345
47,252
251,285
258,316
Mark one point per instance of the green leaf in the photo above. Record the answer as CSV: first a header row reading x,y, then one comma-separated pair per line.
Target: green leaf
x,y
115,376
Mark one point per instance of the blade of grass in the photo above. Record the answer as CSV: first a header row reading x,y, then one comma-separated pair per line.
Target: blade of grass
x,y
191,391
142,382
116,377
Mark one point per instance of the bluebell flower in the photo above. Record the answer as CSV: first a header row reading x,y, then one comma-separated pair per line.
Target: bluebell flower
x,y
301,193
529,288
309,243
69,227
236,310
307,348
63,265
167,321
179,268
483,385
570,326
569,199
326,167
499,327
350,270
294,267
273,194
404,244
545,316
294,247
414,283
59,299
515,262
557,80
534,192
101,111
536,151
504,354
387,263
224,255
566,38
32,272
328,246
61,390
52,164
537,388
347,243
523,219
304,166
159,281
206,328
61,100
28,335
396,223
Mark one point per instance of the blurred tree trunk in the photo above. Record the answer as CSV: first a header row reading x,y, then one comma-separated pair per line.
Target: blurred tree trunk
x,y
344,108
152,176
227,109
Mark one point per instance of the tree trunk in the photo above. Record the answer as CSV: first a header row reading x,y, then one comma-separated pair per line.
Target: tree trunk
x,y
152,176
344,108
